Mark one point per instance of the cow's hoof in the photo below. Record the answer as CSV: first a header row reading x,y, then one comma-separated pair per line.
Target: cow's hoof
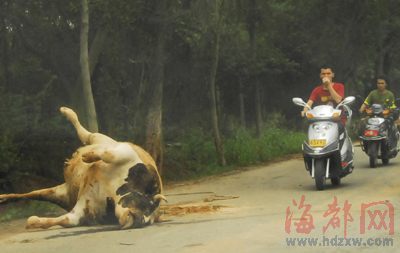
x,y
35,222
69,113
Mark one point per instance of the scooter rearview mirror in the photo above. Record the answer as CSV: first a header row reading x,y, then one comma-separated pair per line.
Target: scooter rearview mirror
x,y
298,101
347,101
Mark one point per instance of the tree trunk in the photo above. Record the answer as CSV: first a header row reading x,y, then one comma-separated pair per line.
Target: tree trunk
x,y
241,104
387,65
154,144
218,100
140,109
251,27
383,62
379,62
87,87
257,99
94,53
4,43
213,74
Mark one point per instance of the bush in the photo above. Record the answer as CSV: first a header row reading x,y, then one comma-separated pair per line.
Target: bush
x,y
195,156
8,159
32,142
244,149
191,156
46,148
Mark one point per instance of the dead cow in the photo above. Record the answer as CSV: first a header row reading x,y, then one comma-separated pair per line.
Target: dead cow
x,y
105,181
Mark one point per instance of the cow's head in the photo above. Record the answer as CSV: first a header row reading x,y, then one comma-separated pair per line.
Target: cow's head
x,y
140,196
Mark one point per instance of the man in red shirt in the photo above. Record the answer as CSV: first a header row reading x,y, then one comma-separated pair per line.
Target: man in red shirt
x,y
329,93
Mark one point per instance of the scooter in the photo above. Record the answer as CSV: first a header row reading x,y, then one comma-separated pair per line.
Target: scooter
x,y
328,151
380,138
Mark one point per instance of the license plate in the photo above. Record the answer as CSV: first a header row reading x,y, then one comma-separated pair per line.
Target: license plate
x,y
317,143
371,133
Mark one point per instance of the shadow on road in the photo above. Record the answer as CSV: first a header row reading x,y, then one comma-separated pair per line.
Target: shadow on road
x,y
84,232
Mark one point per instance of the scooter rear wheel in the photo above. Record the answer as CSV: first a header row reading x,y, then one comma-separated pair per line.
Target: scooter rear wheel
x,y
320,180
385,160
372,161
335,180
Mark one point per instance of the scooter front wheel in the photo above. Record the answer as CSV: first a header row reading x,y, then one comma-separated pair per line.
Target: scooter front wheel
x,y
320,169
373,153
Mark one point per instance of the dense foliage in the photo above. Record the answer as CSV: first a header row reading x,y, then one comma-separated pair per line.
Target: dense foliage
x,y
276,46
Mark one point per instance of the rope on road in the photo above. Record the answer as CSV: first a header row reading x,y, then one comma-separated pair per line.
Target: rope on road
x,y
191,193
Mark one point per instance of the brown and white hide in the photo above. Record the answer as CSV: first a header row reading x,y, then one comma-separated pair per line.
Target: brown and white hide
x,y
105,182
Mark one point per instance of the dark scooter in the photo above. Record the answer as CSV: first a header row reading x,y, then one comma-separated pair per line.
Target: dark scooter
x,y
379,137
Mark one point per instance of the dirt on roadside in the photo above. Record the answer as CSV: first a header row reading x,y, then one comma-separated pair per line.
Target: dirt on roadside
x,y
10,228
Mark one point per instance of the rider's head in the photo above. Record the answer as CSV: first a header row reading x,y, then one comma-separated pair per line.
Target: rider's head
x,y
381,82
327,71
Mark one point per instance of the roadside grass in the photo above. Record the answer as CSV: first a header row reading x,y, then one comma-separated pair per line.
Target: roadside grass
x,y
196,157
18,210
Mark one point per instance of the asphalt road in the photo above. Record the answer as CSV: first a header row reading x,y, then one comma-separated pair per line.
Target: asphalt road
x,y
252,216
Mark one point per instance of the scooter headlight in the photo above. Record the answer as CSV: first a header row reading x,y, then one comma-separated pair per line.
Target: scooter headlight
x,y
321,128
325,127
375,121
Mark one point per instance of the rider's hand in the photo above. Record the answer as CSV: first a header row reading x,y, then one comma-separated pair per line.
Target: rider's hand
x,y
326,82
303,113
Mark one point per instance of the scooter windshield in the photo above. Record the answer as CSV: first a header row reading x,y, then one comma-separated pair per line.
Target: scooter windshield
x,y
323,112
377,108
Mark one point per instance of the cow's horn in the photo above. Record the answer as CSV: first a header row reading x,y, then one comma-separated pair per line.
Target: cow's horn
x,y
160,196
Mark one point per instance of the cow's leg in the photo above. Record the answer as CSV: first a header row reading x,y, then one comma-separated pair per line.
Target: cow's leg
x,y
40,222
56,195
71,219
81,214
119,153
84,135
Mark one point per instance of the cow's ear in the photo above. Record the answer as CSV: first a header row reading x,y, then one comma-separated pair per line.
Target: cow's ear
x,y
126,220
138,171
132,219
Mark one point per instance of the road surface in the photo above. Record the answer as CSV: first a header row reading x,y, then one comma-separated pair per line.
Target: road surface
x,y
246,211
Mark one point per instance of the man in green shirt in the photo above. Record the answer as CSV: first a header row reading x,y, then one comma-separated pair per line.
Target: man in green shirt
x,y
380,96
384,97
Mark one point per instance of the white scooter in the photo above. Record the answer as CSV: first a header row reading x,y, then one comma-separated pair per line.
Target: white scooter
x,y
328,151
